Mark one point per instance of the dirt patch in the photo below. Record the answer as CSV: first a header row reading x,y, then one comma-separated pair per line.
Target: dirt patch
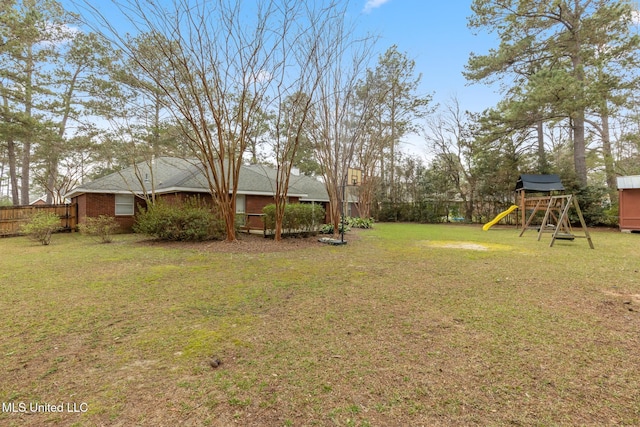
x,y
470,246
455,245
628,298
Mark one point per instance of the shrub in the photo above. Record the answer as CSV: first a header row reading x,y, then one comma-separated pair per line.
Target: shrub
x,y
189,221
612,216
328,228
591,199
356,222
102,227
298,217
41,226
349,223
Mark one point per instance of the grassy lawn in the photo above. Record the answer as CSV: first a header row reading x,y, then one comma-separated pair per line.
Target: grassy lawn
x,y
405,325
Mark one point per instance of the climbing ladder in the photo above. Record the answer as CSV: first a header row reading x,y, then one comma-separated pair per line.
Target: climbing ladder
x,y
556,219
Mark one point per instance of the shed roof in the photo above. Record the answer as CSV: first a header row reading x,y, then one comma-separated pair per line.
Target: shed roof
x,y
539,183
628,182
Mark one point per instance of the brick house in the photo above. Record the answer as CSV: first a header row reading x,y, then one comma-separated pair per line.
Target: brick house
x,y
122,194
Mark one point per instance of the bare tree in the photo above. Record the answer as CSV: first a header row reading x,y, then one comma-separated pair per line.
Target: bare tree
x,y
372,142
293,98
223,61
453,146
334,129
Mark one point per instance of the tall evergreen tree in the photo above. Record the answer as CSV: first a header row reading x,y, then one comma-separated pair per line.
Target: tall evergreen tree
x,y
556,40
30,37
81,90
395,83
389,102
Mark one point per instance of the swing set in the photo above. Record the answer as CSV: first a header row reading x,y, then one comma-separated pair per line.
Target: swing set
x,y
555,207
556,218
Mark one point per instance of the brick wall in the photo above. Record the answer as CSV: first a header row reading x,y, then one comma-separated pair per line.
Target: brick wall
x,y
254,204
93,205
177,198
81,202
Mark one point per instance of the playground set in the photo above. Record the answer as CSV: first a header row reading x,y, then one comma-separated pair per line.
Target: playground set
x,y
545,191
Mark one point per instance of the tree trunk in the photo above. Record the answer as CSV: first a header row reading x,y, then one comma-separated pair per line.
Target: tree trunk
x,y
12,157
26,150
335,208
280,203
392,171
24,180
365,196
13,172
52,177
579,151
609,167
543,166
228,212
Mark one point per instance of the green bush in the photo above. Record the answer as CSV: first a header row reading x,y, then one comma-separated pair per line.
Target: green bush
x,y
356,222
349,223
612,216
591,199
298,218
192,220
328,228
41,226
102,227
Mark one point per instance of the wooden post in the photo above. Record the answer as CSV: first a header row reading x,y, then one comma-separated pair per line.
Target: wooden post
x,y
523,215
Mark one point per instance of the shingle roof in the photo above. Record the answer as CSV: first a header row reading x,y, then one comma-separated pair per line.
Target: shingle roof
x,y
309,188
315,190
164,172
170,174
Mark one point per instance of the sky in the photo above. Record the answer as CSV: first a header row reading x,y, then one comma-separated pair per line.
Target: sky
x,y
435,35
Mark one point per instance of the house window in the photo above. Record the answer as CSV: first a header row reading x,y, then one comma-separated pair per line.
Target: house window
x,y
240,205
240,210
124,204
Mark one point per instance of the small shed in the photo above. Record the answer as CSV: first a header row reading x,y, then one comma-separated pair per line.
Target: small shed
x,y
629,192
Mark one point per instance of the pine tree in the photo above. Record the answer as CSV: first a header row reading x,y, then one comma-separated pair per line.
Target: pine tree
x,y
555,42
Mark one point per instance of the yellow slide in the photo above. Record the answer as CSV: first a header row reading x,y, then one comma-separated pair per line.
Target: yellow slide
x,y
501,215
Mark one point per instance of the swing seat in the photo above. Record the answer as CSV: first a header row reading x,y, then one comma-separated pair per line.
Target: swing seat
x,y
565,236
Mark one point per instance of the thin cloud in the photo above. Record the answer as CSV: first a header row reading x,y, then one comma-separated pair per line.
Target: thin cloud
x,y
373,4
57,34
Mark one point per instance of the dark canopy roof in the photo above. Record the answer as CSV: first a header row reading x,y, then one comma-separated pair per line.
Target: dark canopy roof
x,y
542,183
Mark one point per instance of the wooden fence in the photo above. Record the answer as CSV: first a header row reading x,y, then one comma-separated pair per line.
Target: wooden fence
x,y
12,217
